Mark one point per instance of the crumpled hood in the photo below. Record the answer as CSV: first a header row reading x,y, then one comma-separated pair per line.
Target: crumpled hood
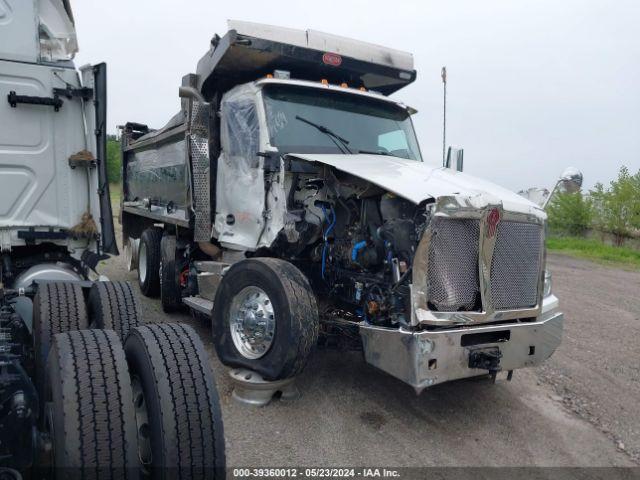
x,y
418,181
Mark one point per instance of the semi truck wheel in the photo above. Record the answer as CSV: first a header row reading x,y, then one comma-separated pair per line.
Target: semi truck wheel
x,y
114,306
265,318
149,262
89,412
57,307
170,294
177,408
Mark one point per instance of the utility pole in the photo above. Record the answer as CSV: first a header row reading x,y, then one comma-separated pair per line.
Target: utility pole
x,y
443,74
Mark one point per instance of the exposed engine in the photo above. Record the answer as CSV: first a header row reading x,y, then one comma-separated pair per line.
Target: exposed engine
x,y
360,242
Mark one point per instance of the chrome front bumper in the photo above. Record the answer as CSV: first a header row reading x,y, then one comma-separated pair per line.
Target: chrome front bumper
x,y
426,358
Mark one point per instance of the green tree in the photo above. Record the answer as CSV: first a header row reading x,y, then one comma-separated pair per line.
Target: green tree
x,y
617,208
569,213
114,159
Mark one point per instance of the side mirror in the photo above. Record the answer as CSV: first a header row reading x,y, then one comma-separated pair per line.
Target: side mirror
x,y
571,180
455,155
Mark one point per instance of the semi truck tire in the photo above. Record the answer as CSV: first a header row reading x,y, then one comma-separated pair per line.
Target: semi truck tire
x,y
89,410
57,307
176,403
265,318
149,262
170,294
114,306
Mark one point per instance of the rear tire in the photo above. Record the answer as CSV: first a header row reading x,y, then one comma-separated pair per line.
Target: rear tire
x,y
89,407
170,293
57,307
114,306
149,262
288,300
177,401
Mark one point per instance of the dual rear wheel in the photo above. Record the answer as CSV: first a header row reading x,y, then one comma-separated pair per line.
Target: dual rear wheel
x,y
159,269
128,401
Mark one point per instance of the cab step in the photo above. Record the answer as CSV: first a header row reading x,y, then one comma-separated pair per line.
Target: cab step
x,y
199,304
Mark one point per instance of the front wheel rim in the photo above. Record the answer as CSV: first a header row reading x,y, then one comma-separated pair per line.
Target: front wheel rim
x,y
252,322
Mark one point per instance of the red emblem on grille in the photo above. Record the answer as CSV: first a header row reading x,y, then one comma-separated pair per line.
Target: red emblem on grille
x,y
493,219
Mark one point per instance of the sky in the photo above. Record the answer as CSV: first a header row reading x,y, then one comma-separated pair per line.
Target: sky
x,y
533,86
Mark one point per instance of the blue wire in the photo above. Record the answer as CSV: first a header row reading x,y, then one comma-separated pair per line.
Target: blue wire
x,y
324,258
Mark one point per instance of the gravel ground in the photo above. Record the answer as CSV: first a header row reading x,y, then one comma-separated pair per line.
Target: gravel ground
x,y
579,409
596,371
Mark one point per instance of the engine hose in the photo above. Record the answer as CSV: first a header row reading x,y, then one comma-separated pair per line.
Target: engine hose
x,y
356,249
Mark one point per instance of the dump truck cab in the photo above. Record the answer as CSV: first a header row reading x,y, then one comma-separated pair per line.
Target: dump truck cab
x,y
290,169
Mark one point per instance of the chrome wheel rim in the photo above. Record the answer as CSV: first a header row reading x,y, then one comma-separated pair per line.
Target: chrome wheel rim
x,y
142,262
252,322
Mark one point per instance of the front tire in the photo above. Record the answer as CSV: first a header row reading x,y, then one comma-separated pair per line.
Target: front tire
x,y
265,318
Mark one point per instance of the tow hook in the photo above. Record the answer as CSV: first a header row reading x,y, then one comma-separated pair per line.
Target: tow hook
x,y
486,359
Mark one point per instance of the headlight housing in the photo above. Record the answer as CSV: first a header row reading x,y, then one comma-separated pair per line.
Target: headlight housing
x,y
546,291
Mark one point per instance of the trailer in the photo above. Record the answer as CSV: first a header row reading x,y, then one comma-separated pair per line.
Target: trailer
x,y
87,390
289,203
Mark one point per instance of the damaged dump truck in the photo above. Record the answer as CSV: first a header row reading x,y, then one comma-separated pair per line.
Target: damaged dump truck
x,y
86,390
288,200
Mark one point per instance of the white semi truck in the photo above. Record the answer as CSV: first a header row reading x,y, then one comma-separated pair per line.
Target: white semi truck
x,y
288,199
86,390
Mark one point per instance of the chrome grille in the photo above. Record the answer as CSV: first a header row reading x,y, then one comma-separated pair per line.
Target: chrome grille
x,y
515,266
452,276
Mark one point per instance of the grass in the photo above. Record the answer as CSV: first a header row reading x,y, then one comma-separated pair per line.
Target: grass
x,y
595,250
115,191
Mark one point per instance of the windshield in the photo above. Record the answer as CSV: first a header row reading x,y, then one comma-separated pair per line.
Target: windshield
x,y
312,120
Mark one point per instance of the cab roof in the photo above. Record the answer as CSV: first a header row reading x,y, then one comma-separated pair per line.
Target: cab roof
x,y
249,51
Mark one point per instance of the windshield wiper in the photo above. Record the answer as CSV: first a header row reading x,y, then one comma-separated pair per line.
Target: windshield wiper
x,y
335,138
379,152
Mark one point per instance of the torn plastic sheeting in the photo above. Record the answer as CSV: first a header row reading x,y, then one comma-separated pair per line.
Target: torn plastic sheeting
x,y
240,129
242,196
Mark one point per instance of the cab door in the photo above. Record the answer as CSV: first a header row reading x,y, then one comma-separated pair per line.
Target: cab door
x,y
240,189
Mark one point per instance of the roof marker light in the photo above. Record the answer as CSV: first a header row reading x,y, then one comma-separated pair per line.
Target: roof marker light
x,y
282,74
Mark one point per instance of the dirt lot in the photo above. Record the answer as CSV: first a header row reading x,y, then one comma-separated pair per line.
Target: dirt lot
x,y
580,409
